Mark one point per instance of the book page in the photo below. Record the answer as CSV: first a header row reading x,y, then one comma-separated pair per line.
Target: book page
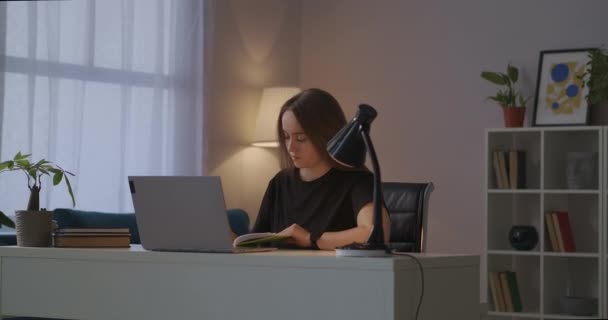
x,y
257,238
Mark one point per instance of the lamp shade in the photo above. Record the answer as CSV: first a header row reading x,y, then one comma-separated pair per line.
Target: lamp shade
x,y
273,98
348,147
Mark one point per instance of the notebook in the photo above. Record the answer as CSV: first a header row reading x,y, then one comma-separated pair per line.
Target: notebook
x,y
182,213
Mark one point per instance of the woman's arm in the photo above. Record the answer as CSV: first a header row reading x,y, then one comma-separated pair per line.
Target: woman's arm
x,y
360,233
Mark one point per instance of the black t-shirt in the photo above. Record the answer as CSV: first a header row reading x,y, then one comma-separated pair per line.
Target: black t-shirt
x,y
329,203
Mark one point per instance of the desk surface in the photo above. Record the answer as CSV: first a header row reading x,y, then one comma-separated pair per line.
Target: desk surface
x,y
133,283
299,258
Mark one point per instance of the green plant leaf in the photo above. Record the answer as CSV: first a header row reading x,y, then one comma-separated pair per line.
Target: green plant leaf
x,y
40,163
32,173
522,102
513,73
35,170
23,163
20,156
5,164
595,76
494,77
67,182
53,170
57,178
5,221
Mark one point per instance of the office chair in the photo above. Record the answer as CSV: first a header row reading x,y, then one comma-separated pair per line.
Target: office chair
x,y
407,205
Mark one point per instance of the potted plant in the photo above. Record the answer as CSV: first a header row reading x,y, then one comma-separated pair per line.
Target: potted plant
x,y
596,79
513,103
34,226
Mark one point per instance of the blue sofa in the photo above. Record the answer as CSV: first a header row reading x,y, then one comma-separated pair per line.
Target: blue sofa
x,y
71,218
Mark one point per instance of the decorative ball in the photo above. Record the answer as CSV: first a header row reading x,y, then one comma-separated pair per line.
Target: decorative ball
x,y
523,237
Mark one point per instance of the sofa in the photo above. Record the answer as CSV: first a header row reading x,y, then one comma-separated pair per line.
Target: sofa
x,y
71,218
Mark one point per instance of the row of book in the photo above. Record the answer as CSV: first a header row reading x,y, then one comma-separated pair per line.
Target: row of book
x,y
560,232
92,238
509,169
505,291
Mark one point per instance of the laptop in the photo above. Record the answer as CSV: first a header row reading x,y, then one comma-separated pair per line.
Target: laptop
x,y
182,213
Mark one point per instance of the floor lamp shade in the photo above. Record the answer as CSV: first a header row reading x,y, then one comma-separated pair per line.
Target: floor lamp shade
x,y
272,100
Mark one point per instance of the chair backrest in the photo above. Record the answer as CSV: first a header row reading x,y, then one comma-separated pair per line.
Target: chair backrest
x,y
407,205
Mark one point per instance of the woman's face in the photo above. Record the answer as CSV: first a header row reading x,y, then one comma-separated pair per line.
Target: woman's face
x,y
302,152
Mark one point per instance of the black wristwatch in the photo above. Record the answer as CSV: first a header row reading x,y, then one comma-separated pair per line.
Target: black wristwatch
x,y
313,240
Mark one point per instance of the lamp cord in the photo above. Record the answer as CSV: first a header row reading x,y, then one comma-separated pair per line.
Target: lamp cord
x,y
421,278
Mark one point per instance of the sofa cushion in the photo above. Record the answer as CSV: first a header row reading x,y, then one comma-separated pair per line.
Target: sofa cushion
x,y
238,220
71,218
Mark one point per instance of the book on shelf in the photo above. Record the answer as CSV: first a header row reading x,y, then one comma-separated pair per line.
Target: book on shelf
x,y
504,176
506,292
509,169
91,241
496,290
558,233
567,237
550,227
498,176
517,169
514,291
254,239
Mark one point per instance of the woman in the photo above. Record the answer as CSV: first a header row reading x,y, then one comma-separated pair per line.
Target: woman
x,y
316,201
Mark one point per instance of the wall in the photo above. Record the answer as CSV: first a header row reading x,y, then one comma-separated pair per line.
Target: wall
x,y
253,44
418,63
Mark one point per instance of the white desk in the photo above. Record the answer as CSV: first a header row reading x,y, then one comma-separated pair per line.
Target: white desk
x,y
138,284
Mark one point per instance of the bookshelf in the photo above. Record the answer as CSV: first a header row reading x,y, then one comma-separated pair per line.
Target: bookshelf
x,y
546,272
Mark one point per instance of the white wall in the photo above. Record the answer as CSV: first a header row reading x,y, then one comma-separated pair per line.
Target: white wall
x,y
418,63
254,44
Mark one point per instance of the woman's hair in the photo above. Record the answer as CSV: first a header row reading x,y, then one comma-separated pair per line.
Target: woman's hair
x,y
319,115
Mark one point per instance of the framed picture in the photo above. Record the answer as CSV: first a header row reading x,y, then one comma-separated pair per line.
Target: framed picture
x,y
560,97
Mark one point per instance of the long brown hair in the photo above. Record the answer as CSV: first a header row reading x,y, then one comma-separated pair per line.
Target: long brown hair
x,y
319,115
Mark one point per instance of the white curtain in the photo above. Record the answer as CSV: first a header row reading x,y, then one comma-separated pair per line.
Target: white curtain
x,y
105,89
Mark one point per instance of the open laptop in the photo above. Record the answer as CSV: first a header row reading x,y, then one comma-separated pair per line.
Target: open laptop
x,y
181,213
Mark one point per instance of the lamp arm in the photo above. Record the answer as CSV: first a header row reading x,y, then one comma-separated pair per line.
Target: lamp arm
x,y
377,236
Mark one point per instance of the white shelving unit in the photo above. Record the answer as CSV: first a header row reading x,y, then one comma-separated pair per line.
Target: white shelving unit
x,y
544,276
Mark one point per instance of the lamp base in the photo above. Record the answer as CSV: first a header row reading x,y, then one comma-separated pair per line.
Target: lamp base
x,y
363,250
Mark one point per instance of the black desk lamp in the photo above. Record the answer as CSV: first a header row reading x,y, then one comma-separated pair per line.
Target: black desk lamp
x,y
348,147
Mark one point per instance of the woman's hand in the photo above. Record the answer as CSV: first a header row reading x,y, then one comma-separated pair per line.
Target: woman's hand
x,y
232,235
299,236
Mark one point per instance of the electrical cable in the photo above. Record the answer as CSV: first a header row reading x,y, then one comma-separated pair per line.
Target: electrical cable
x,y
421,278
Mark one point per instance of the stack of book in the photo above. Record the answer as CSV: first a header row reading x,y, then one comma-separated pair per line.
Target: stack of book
x,y
92,238
505,291
509,169
559,231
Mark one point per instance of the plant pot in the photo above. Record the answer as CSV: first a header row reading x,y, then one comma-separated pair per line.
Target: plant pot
x,y
34,228
598,114
514,116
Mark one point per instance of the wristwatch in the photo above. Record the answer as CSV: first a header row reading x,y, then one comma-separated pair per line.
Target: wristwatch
x,y
313,240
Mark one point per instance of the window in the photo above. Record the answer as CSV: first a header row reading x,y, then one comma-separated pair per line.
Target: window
x,y
105,89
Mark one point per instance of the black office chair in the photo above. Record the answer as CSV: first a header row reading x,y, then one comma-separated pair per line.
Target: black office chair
x,y
407,205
